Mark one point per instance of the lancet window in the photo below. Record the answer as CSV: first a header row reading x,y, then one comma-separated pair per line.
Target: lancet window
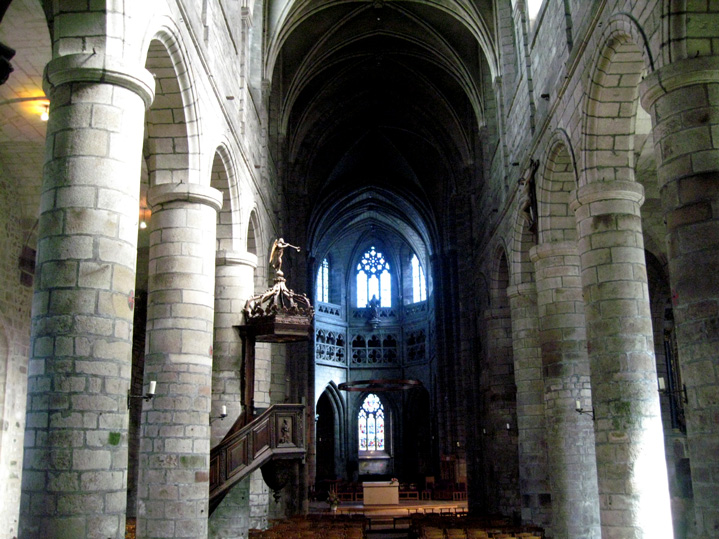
x,y
370,424
323,279
419,284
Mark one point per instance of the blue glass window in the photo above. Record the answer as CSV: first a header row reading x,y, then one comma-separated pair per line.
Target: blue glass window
x,y
323,279
374,279
419,285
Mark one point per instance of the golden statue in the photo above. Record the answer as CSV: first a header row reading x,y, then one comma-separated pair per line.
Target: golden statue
x,y
278,249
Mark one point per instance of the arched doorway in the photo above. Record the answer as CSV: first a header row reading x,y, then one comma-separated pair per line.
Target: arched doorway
x,y
418,437
326,440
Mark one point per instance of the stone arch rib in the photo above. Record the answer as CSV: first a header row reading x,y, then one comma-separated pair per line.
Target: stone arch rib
x,y
222,179
623,57
558,178
171,121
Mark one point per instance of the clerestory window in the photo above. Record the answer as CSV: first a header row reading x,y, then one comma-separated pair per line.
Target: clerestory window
x,y
323,279
419,285
370,424
374,279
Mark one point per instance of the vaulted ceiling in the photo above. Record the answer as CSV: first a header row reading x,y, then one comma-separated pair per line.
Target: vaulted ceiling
x,y
388,95
22,101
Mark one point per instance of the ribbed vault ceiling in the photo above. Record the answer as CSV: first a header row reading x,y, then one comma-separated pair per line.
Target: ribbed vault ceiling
x,y
379,94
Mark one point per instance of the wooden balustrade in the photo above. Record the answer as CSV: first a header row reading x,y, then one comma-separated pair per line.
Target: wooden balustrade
x,y
278,433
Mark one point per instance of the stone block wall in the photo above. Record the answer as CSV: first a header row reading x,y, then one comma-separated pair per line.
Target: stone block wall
x,y
15,301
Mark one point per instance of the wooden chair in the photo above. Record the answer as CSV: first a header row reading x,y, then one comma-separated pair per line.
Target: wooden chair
x,y
456,533
431,532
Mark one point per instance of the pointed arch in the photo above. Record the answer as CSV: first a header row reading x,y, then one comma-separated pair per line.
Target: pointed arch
x,y
330,400
171,122
222,179
500,279
255,246
524,235
556,182
253,235
623,57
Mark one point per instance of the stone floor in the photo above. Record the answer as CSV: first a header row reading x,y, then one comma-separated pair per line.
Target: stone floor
x,y
392,521
385,521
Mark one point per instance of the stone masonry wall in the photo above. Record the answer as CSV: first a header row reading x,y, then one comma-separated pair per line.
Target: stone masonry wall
x,y
15,302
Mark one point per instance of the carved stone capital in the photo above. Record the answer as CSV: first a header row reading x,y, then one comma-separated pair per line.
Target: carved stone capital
x,y
234,258
553,248
605,191
677,75
102,69
187,192
525,290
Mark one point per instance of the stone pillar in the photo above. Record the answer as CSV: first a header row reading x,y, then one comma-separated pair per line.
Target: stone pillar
x,y
234,284
75,464
499,401
175,433
633,487
533,480
683,100
570,436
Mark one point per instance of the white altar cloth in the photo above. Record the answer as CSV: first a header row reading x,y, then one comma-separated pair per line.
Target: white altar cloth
x,y
380,493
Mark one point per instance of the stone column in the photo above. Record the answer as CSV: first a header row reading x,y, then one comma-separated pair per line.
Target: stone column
x,y
499,394
683,100
234,284
570,435
175,433
533,479
75,464
633,487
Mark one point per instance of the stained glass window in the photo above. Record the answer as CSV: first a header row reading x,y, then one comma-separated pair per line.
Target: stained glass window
x,y
419,285
374,279
370,424
362,427
323,289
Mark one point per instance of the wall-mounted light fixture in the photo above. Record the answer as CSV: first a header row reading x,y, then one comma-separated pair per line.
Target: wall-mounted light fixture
x,y
45,114
145,214
223,415
147,396
578,408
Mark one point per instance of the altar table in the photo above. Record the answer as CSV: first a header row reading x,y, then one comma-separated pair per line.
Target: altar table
x,y
380,493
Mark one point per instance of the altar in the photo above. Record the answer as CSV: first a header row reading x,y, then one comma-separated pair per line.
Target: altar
x,y
380,492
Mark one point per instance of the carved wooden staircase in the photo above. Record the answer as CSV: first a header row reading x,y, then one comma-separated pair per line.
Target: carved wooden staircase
x,y
276,434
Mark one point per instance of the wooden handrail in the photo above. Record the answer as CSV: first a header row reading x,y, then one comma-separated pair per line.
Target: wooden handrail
x,y
276,433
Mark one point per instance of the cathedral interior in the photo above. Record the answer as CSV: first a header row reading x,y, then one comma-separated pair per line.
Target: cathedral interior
x,y
256,251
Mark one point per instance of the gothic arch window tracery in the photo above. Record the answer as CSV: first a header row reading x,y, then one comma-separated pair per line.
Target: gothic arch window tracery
x,y
371,424
374,279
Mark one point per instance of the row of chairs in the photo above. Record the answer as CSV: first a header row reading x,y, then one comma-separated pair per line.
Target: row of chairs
x,y
438,527
339,527
476,533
